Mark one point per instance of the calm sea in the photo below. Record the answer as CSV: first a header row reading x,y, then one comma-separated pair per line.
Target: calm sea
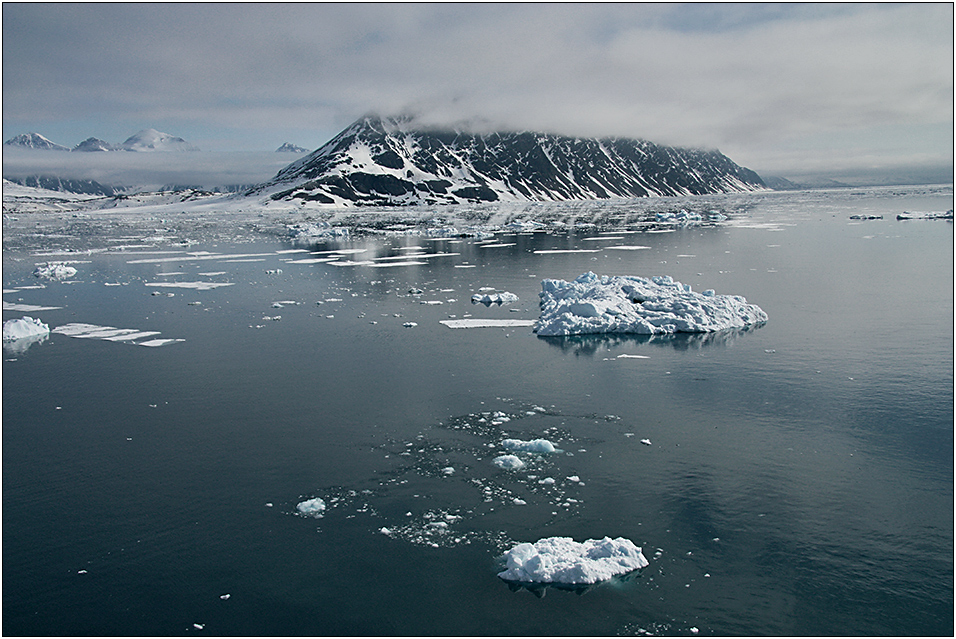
x,y
798,481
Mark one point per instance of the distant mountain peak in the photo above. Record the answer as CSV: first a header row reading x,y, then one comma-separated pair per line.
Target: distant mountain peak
x,y
35,141
288,147
394,161
151,140
94,145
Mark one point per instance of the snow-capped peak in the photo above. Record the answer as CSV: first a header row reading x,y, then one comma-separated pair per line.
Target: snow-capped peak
x,y
151,140
35,141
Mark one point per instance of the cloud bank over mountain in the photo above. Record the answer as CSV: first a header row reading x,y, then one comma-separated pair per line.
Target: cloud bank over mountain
x,y
776,87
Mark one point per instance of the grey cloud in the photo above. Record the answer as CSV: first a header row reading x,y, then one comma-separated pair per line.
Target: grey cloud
x,y
744,77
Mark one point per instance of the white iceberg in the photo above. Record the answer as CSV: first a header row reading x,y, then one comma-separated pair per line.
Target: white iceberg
x,y
54,271
629,304
508,462
23,328
311,507
532,446
561,560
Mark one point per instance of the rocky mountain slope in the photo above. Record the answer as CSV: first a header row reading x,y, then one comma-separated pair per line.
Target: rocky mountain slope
x,y
389,162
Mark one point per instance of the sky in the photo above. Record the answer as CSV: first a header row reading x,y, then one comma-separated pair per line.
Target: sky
x,y
784,89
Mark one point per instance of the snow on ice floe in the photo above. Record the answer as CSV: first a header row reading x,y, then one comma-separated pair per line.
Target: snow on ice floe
x,y
594,304
112,334
561,560
485,323
27,308
54,271
23,328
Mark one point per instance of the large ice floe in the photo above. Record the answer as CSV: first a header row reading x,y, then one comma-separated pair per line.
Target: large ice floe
x,y
561,560
629,304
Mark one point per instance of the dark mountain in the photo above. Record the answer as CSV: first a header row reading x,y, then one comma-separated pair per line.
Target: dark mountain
x,y
389,161
34,141
51,183
288,147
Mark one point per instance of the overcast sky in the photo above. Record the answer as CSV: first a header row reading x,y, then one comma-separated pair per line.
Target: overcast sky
x,y
783,89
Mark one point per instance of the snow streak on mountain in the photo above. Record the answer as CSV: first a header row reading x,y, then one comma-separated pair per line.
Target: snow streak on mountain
x,y
390,162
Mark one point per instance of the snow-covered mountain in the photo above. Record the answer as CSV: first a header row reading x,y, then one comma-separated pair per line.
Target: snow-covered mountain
x,y
151,140
94,145
390,161
288,147
34,141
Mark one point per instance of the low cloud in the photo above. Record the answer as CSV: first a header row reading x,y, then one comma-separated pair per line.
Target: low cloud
x,y
206,169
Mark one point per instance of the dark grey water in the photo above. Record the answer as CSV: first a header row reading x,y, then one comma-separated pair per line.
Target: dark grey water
x,y
799,481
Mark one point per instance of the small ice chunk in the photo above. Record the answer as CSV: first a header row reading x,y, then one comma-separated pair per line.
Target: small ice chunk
x,y
565,561
494,298
23,327
54,271
646,442
448,470
410,324
311,507
547,481
508,462
532,446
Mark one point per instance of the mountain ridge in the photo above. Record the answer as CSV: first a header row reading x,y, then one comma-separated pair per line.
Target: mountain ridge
x,y
145,141
390,161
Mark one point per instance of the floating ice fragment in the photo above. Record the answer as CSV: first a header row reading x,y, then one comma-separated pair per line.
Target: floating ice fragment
x,y
448,470
646,442
485,323
54,271
27,308
225,596
22,328
617,304
311,507
561,560
410,324
198,286
532,446
494,298
508,462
